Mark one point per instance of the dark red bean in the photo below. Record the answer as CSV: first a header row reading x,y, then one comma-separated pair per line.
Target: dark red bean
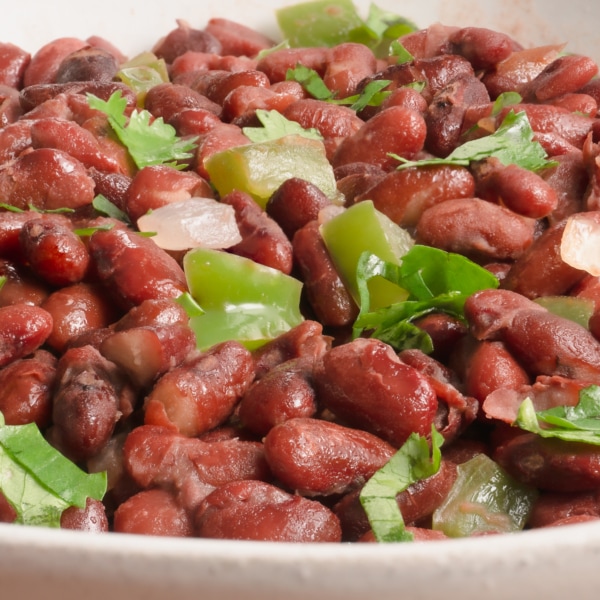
x,y
92,518
184,38
255,510
237,39
13,63
364,383
483,48
87,64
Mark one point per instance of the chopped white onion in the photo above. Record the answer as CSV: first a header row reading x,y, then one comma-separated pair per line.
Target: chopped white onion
x,y
192,223
580,243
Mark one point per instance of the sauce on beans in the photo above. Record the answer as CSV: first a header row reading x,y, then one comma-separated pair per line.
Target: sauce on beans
x,y
275,441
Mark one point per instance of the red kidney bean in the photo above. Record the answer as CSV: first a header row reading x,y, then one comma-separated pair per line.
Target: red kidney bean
x,y
416,503
445,332
45,63
478,229
319,458
263,240
483,48
364,383
146,353
304,340
13,63
134,268
446,112
553,507
217,85
158,185
202,394
334,122
158,457
92,518
519,189
347,65
86,403
545,343
405,194
218,139
20,286
551,464
276,64
491,367
153,512
295,203
255,510
184,38
285,392
566,74
73,139
540,270
577,103
489,312
237,39
26,387
14,139
87,64
325,291
153,313
23,329
396,130
113,186
54,251
47,179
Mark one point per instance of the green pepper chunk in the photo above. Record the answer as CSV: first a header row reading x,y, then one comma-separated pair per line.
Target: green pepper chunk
x,y
484,499
362,228
318,23
259,169
575,309
238,299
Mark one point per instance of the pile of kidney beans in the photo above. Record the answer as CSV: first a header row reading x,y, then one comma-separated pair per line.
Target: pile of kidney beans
x,y
275,444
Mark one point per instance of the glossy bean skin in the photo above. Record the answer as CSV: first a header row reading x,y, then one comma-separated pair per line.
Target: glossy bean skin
x,y
327,294
483,48
397,130
13,62
519,189
540,270
347,65
46,179
55,253
319,458
21,286
364,383
45,63
23,329
159,457
477,229
77,309
134,268
86,403
26,387
199,396
184,38
285,392
555,507
295,203
91,519
237,39
254,510
263,240
168,100
87,64
550,464
404,195
153,512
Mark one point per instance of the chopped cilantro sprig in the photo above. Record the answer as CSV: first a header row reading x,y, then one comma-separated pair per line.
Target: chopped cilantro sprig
x,y
149,141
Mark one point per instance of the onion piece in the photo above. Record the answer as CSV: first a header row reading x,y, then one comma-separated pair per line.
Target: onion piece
x,y
580,242
192,223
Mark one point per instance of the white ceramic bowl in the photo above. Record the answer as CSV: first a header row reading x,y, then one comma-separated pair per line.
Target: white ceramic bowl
x,y
50,564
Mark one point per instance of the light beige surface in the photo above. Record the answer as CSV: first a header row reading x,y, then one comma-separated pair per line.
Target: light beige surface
x,y
53,565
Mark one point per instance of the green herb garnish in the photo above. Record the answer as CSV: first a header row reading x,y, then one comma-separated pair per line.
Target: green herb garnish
x,y
275,126
149,141
436,281
511,143
579,423
413,462
105,207
38,481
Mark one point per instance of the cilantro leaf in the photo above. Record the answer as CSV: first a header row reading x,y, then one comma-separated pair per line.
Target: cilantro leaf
x,y
104,206
149,141
436,281
413,462
38,481
373,93
275,126
511,143
580,423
